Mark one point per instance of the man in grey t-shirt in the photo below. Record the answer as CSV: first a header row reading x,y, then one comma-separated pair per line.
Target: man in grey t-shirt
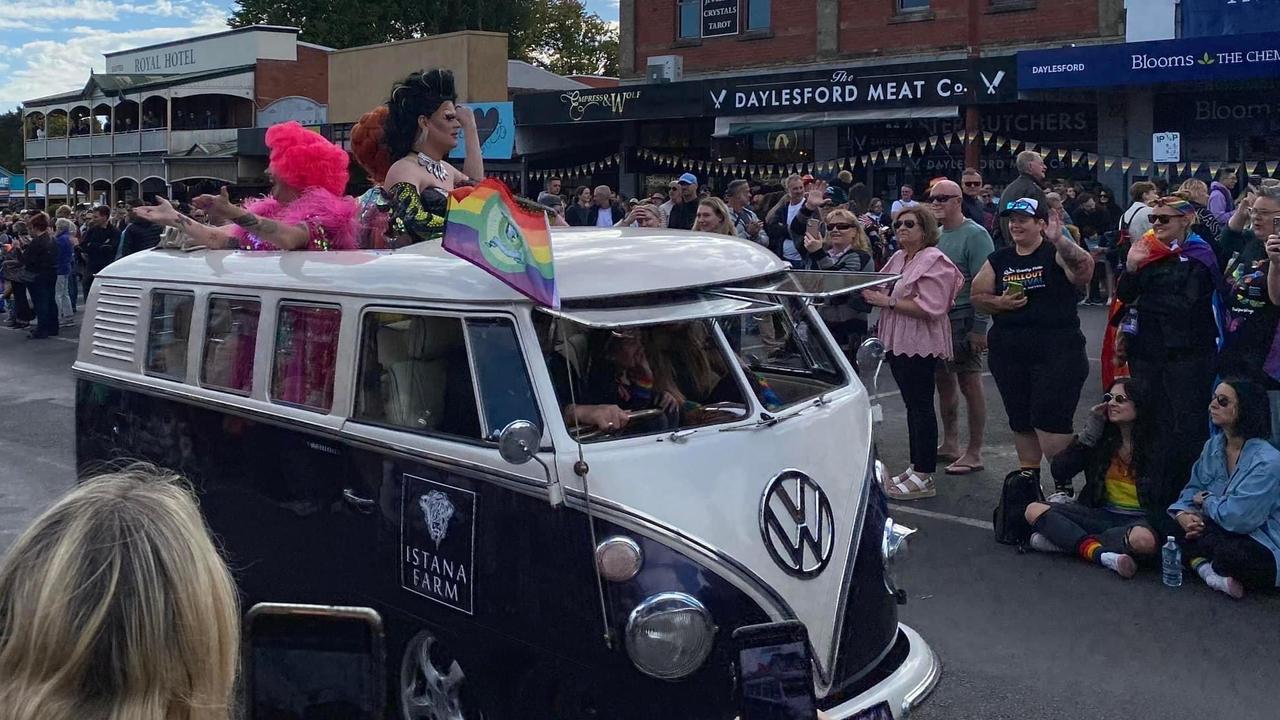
x,y
967,244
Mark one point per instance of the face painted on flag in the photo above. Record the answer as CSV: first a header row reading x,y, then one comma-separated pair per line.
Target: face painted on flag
x,y
503,245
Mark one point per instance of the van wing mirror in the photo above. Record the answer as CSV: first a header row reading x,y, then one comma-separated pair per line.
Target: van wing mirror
x,y
518,444
870,357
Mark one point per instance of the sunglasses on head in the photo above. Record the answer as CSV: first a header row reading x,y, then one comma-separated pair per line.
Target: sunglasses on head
x,y
1221,401
1118,398
839,226
908,224
1160,219
940,199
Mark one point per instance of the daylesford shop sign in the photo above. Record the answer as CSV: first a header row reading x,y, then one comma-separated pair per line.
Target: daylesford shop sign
x,y
959,82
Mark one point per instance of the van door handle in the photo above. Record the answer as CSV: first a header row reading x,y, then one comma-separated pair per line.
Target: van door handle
x,y
364,505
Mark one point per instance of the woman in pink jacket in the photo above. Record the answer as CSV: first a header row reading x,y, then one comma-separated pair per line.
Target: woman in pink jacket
x,y
917,334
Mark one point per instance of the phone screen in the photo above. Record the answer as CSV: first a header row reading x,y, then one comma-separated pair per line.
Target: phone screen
x,y
776,682
314,667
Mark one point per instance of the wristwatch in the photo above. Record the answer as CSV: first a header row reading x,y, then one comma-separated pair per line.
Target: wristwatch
x,y
893,303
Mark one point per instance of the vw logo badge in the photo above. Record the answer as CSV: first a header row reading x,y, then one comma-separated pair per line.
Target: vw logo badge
x,y
796,524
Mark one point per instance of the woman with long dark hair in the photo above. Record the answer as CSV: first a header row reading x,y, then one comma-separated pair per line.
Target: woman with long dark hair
x,y
403,144
1112,521
1230,510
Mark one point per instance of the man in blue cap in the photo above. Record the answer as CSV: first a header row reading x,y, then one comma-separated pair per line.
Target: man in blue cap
x,y
684,209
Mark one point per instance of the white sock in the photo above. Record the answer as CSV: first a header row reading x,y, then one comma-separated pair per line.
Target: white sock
x,y
1122,564
1227,585
1040,543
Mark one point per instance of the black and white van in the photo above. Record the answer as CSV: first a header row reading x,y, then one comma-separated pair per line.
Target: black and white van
x,y
387,429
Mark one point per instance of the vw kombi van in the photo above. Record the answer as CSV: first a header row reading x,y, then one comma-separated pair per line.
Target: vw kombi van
x,y
401,431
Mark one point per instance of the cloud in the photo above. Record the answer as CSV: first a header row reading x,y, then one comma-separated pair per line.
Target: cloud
x,y
49,67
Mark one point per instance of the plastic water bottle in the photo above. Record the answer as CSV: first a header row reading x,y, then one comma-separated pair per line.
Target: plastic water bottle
x,y
1171,561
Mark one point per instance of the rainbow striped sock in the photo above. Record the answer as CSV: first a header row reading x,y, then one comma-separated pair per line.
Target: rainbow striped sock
x,y
1089,548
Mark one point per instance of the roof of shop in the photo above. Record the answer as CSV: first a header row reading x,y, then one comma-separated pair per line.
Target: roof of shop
x,y
525,76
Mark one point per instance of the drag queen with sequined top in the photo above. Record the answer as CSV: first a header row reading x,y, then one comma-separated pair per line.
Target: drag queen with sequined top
x,y
306,209
402,145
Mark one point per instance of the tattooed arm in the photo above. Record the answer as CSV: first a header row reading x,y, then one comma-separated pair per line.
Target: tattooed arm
x,y
1075,260
285,237
163,213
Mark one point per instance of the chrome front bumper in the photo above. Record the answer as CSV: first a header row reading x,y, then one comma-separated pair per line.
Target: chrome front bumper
x,y
905,688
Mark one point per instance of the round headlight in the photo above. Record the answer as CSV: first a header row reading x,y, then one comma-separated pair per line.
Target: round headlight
x,y
669,635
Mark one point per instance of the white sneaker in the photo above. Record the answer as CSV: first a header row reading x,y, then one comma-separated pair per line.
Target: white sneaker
x,y
1059,498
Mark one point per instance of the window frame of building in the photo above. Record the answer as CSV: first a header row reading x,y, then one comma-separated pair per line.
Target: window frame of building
x,y
914,7
757,7
247,302
283,371
694,6
164,320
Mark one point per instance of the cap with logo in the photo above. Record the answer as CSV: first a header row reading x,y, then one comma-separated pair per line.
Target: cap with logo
x,y
1028,207
687,179
837,195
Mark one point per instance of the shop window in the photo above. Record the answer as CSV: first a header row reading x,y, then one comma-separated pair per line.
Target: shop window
x,y
506,393
690,19
758,14
911,6
168,333
414,375
306,354
230,336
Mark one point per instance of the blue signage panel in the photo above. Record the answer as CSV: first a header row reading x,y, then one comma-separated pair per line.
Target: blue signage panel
x,y
1237,57
496,126
1207,18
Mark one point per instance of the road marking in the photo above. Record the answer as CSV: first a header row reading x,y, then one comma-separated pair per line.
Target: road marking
x,y
957,519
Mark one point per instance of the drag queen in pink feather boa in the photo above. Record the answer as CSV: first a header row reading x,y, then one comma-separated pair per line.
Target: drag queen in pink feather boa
x,y
306,209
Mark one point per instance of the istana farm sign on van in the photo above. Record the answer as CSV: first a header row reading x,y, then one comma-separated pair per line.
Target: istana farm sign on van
x,y
1234,57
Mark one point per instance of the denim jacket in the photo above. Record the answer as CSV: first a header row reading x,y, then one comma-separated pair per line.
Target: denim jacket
x,y
1247,502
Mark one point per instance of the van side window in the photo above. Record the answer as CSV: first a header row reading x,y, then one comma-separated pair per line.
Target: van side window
x,y
506,394
168,333
414,375
230,334
306,355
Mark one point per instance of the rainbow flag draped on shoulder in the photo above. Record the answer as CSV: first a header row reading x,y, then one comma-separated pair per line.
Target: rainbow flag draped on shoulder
x,y
487,228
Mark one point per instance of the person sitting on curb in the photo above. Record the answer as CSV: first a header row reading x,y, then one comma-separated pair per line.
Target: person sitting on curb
x,y
1108,523
1230,509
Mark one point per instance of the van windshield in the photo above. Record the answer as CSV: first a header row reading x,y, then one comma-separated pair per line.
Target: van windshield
x,y
613,383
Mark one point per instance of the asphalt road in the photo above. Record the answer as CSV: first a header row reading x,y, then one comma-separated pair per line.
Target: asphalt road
x,y
1020,636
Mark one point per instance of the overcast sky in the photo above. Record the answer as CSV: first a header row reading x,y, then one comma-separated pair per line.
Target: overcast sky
x,y
49,46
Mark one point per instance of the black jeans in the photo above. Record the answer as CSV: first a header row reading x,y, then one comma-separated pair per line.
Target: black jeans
x,y
1068,524
1236,556
21,304
915,379
42,294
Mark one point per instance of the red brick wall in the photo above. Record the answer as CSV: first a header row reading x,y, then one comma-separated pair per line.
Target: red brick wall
x,y
307,77
793,38
866,29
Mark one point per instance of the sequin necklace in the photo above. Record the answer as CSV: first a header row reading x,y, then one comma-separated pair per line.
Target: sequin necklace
x,y
433,166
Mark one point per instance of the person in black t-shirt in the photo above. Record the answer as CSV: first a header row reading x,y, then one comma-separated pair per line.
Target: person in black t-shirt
x,y
1252,345
1036,350
99,245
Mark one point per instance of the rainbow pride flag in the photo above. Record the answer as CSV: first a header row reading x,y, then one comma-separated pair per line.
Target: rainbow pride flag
x,y
486,227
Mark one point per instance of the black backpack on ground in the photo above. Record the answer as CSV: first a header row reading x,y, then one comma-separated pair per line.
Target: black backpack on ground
x,y
1021,488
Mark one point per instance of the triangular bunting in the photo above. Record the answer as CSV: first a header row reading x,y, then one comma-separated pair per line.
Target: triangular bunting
x,y
1125,164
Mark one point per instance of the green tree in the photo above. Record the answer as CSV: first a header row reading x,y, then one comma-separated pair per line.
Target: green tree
x,y
559,35
11,153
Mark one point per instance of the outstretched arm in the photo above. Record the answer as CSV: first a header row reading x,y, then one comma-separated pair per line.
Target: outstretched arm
x,y
163,213
285,237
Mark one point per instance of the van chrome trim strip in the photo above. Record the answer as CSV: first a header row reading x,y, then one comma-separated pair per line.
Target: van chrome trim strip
x,y
112,355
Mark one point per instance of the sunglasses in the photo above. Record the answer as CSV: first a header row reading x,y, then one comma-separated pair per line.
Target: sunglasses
x,y
940,199
973,184
1161,219
1221,401
908,224
839,226
1118,398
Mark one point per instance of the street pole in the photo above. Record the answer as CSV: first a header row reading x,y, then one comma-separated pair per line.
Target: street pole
x,y
972,116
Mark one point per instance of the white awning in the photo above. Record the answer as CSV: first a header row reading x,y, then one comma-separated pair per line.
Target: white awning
x,y
735,125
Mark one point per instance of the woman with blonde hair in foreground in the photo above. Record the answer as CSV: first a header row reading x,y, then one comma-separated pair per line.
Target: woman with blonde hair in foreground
x,y
115,605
